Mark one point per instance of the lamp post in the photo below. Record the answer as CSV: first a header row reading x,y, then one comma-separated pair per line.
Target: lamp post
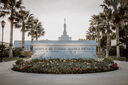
x,y
2,25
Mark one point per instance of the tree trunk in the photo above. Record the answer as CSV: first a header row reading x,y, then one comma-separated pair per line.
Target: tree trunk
x,y
126,43
127,52
108,45
36,37
117,41
99,43
31,49
23,36
11,40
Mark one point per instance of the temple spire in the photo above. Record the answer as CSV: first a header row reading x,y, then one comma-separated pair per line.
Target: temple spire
x,y
64,37
65,32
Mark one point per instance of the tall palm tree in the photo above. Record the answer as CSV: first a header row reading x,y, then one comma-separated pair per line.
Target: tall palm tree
x,y
113,5
96,25
12,6
30,29
35,29
21,22
107,25
124,25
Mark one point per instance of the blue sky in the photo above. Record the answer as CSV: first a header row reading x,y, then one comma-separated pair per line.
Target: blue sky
x,y
52,13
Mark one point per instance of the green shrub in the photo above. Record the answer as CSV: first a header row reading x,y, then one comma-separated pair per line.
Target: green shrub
x,y
5,51
101,56
16,52
91,60
19,62
25,54
108,60
35,60
119,58
10,59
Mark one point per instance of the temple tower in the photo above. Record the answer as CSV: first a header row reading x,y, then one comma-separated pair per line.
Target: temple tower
x,y
64,37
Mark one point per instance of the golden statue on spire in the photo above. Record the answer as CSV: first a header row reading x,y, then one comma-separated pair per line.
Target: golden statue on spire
x,y
64,20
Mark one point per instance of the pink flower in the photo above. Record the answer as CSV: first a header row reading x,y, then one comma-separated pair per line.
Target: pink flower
x,y
77,68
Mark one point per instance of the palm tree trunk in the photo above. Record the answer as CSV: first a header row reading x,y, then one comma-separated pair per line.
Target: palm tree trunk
x,y
127,52
31,49
126,42
11,40
108,45
23,36
99,43
117,41
36,37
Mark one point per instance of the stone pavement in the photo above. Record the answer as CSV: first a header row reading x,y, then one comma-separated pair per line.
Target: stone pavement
x,y
9,77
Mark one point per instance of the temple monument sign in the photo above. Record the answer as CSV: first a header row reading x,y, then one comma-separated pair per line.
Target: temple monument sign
x,y
64,48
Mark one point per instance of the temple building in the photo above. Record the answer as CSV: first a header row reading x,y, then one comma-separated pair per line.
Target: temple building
x,y
64,47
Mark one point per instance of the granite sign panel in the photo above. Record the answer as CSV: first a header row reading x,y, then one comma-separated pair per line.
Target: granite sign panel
x,y
71,49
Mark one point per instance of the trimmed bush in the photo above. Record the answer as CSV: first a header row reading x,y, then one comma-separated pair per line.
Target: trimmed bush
x,y
10,59
109,60
5,51
19,62
16,52
25,54
119,58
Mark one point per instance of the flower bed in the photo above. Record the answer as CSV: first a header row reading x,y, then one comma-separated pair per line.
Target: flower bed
x,y
64,66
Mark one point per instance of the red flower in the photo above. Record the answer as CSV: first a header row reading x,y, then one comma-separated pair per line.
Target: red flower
x,y
114,66
77,68
26,66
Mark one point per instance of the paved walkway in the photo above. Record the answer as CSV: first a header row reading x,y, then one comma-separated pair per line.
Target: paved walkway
x,y
9,77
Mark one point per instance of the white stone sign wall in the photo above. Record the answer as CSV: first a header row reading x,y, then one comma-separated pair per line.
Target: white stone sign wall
x,y
64,51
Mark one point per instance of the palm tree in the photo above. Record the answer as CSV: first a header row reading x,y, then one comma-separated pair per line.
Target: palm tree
x,y
12,6
124,1
91,34
124,25
21,22
107,25
35,29
88,35
113,5
39,31
96,25
30,29
3,9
